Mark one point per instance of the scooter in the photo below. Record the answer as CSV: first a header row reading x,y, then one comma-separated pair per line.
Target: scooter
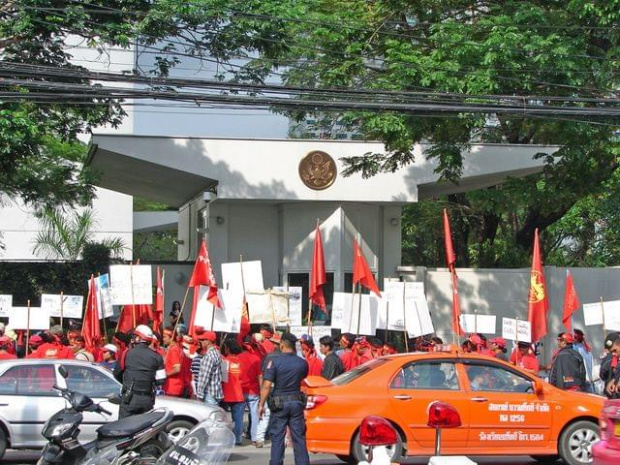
x,y
129,441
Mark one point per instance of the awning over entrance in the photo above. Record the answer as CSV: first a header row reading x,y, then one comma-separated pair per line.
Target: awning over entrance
x,y
134,176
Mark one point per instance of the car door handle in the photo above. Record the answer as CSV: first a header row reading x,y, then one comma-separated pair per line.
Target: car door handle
x,y
479,399
402,397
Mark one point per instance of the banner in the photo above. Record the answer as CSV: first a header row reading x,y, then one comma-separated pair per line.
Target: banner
x,y
294,303
104,296
6,304
482,324
39,318
346,309
605,313
227,319
318,331
418,321
392,306
268,306
237,276
72,305
131,284
516,330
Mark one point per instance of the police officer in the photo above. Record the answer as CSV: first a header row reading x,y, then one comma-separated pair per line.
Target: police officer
x,y
139,369
281,390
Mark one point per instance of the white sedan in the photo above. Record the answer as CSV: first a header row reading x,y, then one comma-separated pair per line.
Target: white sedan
x,y
27,400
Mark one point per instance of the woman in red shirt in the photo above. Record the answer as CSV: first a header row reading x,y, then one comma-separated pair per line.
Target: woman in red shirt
x,y
315,364
233,391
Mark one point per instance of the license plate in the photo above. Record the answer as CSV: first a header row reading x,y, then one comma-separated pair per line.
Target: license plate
x,y
617,429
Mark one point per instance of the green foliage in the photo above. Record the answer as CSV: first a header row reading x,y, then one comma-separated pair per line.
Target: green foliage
x,y
155,246
65,236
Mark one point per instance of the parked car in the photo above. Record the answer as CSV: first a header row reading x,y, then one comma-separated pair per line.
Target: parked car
x,y
503,410
27,400
607,450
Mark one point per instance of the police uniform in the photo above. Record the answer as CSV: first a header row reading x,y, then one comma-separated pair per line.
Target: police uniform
x,y
287,404
141,369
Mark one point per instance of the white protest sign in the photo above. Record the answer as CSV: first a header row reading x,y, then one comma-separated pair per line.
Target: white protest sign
x,y
516,330
318,331
341,306
365,312
39,318
593,314
418,319
226,319
294,303
131,284
267,306
392,306
6,303
72,305
104,296
611,312
482,324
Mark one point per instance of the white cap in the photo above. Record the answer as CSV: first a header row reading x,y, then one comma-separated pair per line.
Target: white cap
x,y
110,348
144,332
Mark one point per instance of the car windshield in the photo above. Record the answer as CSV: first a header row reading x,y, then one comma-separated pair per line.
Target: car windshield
x,y
356,372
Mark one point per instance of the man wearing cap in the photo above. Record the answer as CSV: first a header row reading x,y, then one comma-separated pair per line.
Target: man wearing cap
x,y
53,346
362,351
140,370
5,348
209,385
526,359
567,370
108,352
282,385
498,348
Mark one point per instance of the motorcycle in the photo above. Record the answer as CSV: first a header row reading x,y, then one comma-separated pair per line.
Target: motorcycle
x,y
128,441
208,443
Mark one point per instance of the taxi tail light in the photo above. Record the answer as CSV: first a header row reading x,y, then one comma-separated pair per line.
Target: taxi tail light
x,y
377,431
314,401
443,415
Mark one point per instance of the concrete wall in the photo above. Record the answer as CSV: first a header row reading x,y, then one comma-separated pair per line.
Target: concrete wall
x,y
504,292
19,226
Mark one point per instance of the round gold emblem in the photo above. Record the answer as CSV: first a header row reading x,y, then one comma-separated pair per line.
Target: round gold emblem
x,y
317,170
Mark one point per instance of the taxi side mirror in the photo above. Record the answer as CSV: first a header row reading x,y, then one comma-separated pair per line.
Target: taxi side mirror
x,y
538,387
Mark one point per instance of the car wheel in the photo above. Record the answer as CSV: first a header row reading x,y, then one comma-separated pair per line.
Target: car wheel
x,y
546,458
3,443
177,429
359,452
575,445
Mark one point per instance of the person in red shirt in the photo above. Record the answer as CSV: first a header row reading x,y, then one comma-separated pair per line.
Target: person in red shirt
x,y
376,347
347,341
251,380
231,385
267,334
5,348
362,351
177,365
498,348
53,346
315,364
389,348
525,358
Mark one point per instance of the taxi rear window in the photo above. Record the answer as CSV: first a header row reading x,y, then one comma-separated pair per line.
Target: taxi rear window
x,y
356,372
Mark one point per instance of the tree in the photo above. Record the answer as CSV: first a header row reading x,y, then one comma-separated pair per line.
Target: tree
x,y
65,236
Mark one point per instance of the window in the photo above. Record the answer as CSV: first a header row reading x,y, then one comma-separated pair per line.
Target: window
x,y
90,381
29,380
303,280
356,372
348,284
496,378
427,375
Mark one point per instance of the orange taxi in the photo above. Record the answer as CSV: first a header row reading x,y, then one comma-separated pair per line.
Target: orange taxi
x,y
503,410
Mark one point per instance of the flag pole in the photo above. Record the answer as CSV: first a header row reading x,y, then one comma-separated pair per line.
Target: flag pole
x,y
603,314
28,329
61,312
105,329
174,330
405,335
359,308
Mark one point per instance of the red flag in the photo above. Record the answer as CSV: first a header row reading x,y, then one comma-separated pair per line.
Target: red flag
x,y
158,316
245,328
317,272
571,301
451,263
203,276
538,301
91,329
361,271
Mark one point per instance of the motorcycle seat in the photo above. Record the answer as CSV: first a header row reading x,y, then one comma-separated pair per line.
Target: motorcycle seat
x,y
130,425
